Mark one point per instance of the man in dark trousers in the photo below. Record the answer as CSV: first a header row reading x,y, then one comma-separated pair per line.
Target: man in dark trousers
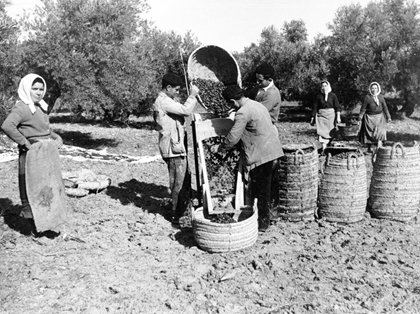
x,y
260,146
170,118
268,94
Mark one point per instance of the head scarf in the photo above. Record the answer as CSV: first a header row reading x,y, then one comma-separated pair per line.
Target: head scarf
x,y
328,90
24,89
375,96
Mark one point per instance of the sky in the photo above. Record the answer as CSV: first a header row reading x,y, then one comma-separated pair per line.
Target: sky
x,y
230,24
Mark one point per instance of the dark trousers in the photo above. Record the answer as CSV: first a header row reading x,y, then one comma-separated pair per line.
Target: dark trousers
x,y
275,184
179,184
260,188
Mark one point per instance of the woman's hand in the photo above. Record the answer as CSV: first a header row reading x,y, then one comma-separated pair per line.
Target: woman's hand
x,y
27,147
57,139
338,115
58,142
389,120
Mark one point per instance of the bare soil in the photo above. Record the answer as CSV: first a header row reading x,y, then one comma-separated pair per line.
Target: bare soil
x,y
119,253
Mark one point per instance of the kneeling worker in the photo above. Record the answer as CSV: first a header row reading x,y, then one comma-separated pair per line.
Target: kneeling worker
x,y
260,146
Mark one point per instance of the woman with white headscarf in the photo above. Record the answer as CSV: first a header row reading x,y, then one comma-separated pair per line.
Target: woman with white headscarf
x,y
374,115
27,124
326,114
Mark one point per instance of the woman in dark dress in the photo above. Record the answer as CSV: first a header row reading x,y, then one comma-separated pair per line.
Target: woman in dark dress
x,y
374,115
326,114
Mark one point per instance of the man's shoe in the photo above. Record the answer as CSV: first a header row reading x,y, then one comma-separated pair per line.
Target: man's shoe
x,y
263,224
175,222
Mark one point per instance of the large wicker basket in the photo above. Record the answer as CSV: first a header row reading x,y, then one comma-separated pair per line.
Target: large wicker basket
x,y
350,130
216,237
342,193
395,185
298,186
215,64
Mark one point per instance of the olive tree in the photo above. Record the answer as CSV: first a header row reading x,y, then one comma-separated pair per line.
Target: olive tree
x,y
298,65
87,47
9,60
373,43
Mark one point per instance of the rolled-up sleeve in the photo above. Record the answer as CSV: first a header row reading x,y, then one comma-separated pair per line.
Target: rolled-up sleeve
x,y
385,109
315,106
171,106
336,104
363,107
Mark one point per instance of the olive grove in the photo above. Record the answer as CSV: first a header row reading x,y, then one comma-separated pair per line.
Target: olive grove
x,y
104,59
379,42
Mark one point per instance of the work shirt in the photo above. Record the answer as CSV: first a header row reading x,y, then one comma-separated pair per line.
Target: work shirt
x,y
331,103
21,125
170,118
259,137
371,108
271,99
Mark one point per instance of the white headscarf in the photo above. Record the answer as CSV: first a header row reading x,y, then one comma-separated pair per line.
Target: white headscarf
x,y
24,89
328,90
375,96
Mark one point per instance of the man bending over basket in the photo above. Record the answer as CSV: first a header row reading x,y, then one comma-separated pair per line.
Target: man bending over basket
x,y
260,146
170,118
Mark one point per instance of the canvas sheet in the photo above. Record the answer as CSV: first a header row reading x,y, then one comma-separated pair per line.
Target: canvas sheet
x,y
45,186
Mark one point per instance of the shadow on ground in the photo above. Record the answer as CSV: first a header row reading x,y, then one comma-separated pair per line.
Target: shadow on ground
x,y
152,198
294,114
143,123
148,196
84,140
11,212
185,237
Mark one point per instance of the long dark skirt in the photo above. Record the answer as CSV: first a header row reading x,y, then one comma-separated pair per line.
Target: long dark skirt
x,y
26,211
373,129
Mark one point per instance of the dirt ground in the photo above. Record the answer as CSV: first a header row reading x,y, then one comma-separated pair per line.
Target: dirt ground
x,y
119,253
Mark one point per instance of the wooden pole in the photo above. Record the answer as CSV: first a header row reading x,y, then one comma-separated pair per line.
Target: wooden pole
x,y
197,169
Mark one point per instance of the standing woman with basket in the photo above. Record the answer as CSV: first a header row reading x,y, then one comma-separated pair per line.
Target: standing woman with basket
x,y
326,114
373,113
40,184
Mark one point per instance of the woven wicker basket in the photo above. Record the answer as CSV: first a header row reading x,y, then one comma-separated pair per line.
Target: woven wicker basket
x,y
101,182
342,195
349,131
215,64
216,237
395,185
298,186
76,192
82,182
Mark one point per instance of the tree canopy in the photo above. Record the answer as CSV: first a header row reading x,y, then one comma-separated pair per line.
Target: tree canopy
x,y
105,60
379,42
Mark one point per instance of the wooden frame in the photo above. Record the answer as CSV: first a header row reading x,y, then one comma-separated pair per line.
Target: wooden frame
x,y
204,129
